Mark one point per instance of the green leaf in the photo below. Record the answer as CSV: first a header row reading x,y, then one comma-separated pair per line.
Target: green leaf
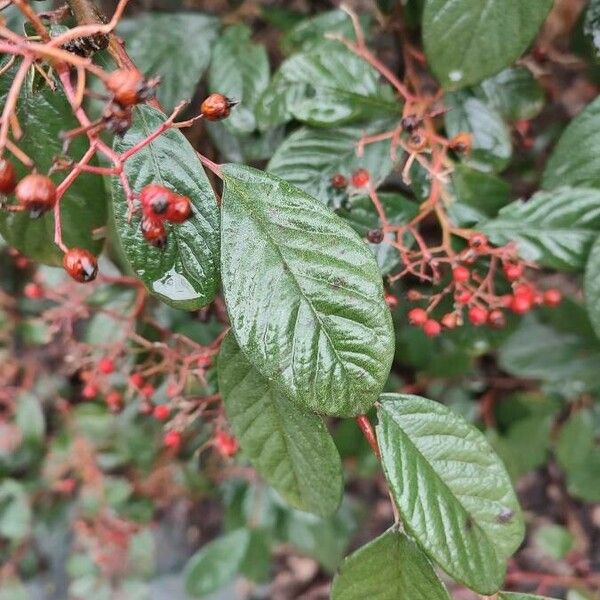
x,y
388,568
216,564
555,229
492,146
15,512
290,448
180,58
592,286
591,23
517,596
185,273
43,115
29,418
453,493
514,93
469,40
257,562
576,159
13,589
554,541
304,295
325,86
240,70
309,157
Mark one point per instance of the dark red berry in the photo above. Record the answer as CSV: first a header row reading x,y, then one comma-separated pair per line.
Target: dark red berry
x,y
172,440
375,236
360,178
461,274
216,107
36,193
432,328
106,365
513,271
391,301
80,264
338,181
155,199
479,242
179,209
128,87
552,298
8,177
161,412
154,232
417,316
478,315
496,319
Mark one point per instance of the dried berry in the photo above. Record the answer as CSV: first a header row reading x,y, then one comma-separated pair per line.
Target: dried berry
x,y
216,107
80,264
36,193
338,181
478,242
461,143
375,236
128,87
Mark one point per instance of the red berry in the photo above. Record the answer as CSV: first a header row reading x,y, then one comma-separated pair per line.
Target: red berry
x,y
33,291
461,274
172,440
154,231
89,391
148,391
360,178
414,295
478,315
525,290
114,401
338,181
204,361
106,365
417,317
172,390
226,444
180,209
36,193
161,412
136,380
391,301
432,328
450,320
155,199
462,297
216,107
128,86
520,304
552,298
513,271
80,264
65,486
497,319
478,242
8,177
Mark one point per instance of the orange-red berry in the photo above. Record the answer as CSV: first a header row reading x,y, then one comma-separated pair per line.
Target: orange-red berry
x,y
450,320
552,297
8,177
161,412
106,365
136,380
155,199
226,444
360,178
216,107
36,193
80,264
520,304
478,315
463,296
461,143
172,440
90,391
432,328
417,317
179,209
154,232
513,271
128,87
461,274
391,301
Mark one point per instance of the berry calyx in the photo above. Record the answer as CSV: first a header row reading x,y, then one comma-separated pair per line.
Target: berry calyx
x,y
461,274
478,315
496,319
36,193
338,181
513,271
478,242
106,366
161,412
8,177
216,107
128,87
226,444
360,178
80,264
552,298
179,209
33,291
520,304
391,301
432,328
417,317
155,199
375,236
172,440
154,231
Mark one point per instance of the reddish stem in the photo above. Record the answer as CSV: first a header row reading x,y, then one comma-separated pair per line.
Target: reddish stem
x,y
367,430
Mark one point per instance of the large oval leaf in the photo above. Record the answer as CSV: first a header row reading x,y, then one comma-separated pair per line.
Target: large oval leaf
x,y
309,157
304,294
592,286
576,158
290,448
185,273
453,493
388,568
555,229
43,114
469,40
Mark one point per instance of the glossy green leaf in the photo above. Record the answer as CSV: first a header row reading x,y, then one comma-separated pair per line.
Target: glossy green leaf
x,y
325,86
309,157
180,58
492,146
216,564
240,70
469,40
290,448
576,159
185,273
517,596
514,93
43,115
304,294
453,493
592,286
555,229
257,562
388,568
554,540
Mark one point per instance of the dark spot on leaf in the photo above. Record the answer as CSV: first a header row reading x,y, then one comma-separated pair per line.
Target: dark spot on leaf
x,y
505,516
469,523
